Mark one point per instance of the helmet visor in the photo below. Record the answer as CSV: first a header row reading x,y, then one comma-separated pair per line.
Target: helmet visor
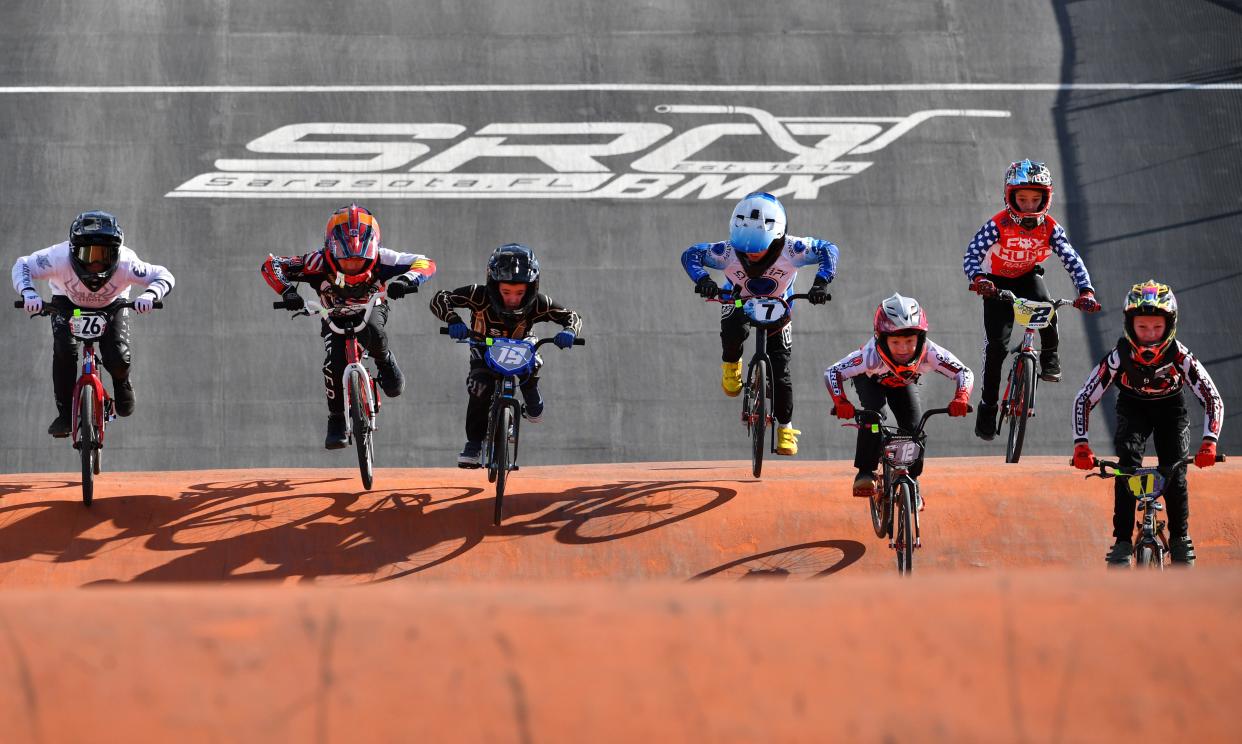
x,y
96,258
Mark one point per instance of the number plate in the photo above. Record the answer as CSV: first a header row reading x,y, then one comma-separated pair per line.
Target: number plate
x,y
88,326
902,453
1032,314
510,356
1145,484
764,309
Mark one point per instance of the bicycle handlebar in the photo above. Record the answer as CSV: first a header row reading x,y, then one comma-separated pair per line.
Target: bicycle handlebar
x,y
865,416
1112,468
727,297
476,336
1007,296
49,309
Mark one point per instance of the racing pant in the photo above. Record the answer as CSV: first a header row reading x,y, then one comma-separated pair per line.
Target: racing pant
x,y
480,385
113,348
1164,420
373,338
998,327
906,408
735,329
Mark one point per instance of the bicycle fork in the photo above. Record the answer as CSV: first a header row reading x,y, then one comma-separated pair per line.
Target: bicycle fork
x,y
103,408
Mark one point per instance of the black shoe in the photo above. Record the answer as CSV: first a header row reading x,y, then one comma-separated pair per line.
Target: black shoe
x,y
123,397
1049,367
60,426
985,422
337,438
391,381
471,455
1119,554
1182,550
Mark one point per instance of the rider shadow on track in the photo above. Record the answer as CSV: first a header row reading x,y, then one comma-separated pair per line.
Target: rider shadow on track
x,y
813,560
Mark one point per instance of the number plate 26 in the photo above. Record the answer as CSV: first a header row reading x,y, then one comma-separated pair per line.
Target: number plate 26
x,y
764,309
510,357
88,326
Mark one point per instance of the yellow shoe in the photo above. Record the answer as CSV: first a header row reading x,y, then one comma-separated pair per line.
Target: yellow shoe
x,y
787,441
731,378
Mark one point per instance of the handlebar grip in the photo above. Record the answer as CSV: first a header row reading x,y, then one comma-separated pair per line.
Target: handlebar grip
x,y
443,331
19,303
582,342
158,304
1220,458
279,305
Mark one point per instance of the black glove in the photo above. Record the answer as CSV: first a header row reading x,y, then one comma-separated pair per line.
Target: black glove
x,y
819,291
707,287
293,301
399,288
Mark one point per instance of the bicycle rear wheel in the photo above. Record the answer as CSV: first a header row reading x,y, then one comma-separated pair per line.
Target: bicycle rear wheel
x,y
500,448
361,424
758,385
1022,399
905,529
87,441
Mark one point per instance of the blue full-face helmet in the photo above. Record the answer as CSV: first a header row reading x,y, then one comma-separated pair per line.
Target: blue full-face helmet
x,y
757,222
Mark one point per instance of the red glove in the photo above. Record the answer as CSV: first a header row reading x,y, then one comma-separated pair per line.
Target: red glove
x,y
983,286
960,405
1086,302
1084,458
844,409
1207,454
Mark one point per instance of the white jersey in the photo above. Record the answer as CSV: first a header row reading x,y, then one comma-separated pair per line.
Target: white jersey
x,y
55,265
867,361
774,275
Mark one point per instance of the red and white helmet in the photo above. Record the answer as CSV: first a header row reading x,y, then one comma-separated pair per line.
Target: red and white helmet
x,y
900,316
1028,174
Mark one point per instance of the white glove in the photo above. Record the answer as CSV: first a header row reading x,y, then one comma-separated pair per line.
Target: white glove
x,y
34,303
143,303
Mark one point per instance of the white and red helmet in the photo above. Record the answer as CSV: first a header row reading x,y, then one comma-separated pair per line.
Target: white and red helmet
x,y
1028,174
900,316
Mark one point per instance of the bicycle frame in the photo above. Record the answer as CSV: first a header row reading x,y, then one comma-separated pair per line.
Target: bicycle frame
x,y
354,354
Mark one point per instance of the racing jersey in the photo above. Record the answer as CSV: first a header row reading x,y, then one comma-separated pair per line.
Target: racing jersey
x,y
312,268
1176,369
485,320
770,277
1004,248
867,361
54,264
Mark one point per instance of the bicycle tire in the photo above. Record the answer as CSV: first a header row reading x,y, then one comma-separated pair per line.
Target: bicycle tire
x,y
879,503
86,441
362,431
1024,392
489,446
905,530
500,446
759,412
1145,557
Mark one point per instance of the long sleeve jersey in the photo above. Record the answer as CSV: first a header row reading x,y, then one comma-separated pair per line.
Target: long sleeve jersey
x,y
1176,369
867,361
774,276
281,272
54,264
486,320
1002,247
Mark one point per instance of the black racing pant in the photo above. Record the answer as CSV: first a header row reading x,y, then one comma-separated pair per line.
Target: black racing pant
x,y
998,327
906,408
113,348
372,337
1164,420
735,329
480,385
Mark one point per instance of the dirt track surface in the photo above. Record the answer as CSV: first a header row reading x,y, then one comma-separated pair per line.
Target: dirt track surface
x,y
618,522
1060,656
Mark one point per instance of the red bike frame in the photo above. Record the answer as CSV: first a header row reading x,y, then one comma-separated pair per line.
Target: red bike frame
x,y
89,378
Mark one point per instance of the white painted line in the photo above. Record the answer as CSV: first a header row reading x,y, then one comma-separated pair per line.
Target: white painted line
x,y
625,87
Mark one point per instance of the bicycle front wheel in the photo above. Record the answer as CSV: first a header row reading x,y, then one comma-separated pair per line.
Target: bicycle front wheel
x,y
361,424
87,441
905,529
1021,402
758,385
881,511
500,449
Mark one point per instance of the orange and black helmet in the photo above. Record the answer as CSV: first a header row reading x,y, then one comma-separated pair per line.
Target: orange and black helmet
x,y
351,243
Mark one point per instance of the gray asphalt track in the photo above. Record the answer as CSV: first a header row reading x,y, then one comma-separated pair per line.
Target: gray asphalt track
x,y
1147,185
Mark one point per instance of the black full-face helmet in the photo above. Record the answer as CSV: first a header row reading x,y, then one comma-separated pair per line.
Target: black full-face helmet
x,y
512,263
95,247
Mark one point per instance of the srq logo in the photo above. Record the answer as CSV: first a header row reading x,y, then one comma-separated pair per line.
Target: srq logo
x,y
608,160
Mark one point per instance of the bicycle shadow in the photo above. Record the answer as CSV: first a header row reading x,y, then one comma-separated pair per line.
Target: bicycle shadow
x,y
813,560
